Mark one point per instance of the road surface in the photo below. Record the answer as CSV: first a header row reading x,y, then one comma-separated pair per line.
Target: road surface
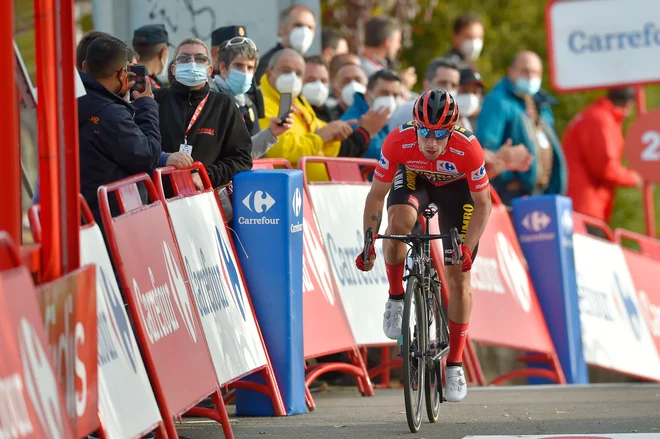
x,y
519,410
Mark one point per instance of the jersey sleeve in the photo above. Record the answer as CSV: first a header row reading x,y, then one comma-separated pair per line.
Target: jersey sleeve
x,y
390,157
476,165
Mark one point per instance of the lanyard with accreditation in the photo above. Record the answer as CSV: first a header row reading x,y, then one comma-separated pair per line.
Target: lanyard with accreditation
x,y
184,147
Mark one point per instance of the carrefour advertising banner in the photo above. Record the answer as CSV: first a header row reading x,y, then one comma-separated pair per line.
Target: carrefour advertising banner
x,y
615,333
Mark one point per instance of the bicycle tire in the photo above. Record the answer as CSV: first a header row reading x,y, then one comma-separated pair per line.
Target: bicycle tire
x,y
433,393
413,368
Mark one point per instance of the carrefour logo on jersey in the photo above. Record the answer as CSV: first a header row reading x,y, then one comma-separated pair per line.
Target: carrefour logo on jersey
x,y
444,166
478,174
383,162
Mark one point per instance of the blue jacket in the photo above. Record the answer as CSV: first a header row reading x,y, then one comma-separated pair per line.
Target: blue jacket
x,y
503,116
117,140
355,111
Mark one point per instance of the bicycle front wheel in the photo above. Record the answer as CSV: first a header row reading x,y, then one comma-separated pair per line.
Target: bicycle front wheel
x,y
413,345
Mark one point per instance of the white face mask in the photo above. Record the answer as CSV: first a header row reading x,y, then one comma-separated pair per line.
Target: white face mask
x,y
471,49
316,93
301,39
349,90
389,102
289,83
468,103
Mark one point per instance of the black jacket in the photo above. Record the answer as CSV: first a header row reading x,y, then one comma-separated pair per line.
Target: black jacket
x,y
219,138
117,139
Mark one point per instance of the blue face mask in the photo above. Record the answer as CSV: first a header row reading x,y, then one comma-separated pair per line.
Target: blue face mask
x,y
191,74
239,82
528,86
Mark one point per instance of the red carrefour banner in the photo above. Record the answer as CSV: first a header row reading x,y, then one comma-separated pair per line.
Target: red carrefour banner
x,y
152,274
322,305
505,309
643,271
68,307
31,401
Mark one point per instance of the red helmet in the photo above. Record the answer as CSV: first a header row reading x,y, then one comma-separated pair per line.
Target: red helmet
x,y
435,109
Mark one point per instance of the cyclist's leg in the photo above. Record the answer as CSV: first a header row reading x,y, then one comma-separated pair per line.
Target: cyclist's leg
x,y
455,210
407,196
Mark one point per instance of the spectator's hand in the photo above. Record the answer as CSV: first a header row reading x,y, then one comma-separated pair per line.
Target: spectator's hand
x,y
374,121
337,130
639,184
197,180
147,91
126,90
179,160
494,165
278,130
408,77
515,158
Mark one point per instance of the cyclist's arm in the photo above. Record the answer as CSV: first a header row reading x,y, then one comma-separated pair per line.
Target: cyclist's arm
x,y
373,206
482,207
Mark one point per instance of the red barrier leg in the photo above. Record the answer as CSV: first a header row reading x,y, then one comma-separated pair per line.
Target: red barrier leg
x,y
311,405
385,357
364,383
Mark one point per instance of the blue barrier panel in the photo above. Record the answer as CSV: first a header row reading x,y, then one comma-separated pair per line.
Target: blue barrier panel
x,y
544,225
268,220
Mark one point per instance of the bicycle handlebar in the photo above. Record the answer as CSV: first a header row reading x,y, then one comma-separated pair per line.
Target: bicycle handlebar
x,y
370,237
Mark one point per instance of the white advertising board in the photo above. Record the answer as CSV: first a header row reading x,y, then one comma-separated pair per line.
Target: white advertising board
x,y
614,332
603,43
339,209
127,405
217,286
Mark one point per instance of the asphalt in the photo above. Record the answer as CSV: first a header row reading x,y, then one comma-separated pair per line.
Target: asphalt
x,y
520,410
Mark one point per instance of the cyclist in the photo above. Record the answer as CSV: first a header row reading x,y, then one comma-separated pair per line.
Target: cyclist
x,y
431,160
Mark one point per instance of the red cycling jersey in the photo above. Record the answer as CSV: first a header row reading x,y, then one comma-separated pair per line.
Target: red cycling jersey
x,y
462,158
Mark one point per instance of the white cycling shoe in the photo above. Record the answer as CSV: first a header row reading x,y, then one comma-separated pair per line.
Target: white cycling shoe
x,y
393,318
455,384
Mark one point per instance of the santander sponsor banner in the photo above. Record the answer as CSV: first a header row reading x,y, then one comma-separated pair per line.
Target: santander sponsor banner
x,y
339,209
129,409
219,291
615,333
322,305
153,272
31,403
505,309
644,275
68,306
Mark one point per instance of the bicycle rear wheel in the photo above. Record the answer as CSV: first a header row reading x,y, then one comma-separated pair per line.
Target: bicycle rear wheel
x,y
413,343
438,337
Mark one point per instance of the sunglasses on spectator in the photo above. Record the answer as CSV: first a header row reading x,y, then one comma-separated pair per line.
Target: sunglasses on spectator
x,y
439,134
199,59
237,41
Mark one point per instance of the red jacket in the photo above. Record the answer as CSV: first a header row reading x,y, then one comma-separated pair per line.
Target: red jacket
x,y
593,145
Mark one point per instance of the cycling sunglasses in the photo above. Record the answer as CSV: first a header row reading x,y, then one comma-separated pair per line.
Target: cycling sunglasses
x,y
439,134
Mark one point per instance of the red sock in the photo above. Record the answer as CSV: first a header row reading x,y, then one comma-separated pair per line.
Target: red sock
x,y
457,337
395,278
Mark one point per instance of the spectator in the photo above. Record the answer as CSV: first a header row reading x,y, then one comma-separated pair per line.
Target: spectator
x,y
220,36
349,80
593,144
333,43
117,139
151,43
340,60
382,41
236,61
518,112
205,123
83,45
441,73
316,84
470,95
309,135
467,41
382,96
296,31
316,78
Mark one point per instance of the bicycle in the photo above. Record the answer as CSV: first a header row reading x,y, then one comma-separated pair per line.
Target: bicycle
x,y
429,342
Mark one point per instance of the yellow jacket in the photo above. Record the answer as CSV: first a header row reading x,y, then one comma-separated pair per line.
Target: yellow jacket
x,y
299,140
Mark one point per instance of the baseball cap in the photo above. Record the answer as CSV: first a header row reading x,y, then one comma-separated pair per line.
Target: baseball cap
x,y
150,34
469,76
222,34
